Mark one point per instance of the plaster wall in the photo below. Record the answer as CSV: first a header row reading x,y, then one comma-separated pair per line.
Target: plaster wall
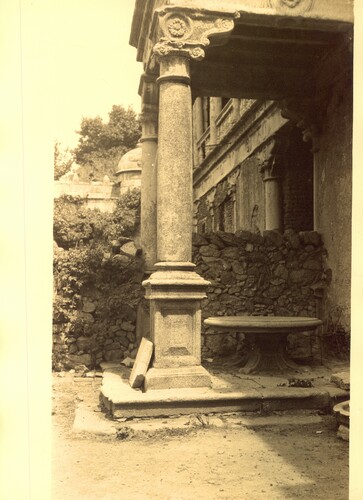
x,y
333,196
250,198
96,195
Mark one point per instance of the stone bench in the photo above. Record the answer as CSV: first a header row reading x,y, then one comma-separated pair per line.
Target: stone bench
x,y
268,337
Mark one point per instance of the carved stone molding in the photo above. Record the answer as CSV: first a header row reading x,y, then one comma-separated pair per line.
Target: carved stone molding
x,y
306,114
272,167
149,91
294,7
187,32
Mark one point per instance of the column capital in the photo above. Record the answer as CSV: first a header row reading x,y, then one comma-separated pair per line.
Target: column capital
x,y
274,158
187,32
307,115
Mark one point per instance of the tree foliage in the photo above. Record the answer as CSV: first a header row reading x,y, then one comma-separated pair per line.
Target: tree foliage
x,y
63,159
101,145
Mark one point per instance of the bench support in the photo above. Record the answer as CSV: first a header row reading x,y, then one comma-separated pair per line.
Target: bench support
x,y
268,354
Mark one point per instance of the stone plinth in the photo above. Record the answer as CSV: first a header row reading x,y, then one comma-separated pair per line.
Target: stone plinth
x,y
175,292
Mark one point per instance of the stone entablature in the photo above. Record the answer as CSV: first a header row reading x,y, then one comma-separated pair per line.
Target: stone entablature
x,y
315,13
259,123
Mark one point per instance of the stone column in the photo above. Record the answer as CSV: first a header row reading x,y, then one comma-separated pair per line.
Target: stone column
x,y
198,106
148,187
215,107
175,290
270,171
205,110
272,202
197,129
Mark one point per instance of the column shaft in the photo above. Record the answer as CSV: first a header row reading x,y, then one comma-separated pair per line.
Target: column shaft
x,y
175,196
198,106
149,189
273,203
197,130
205,109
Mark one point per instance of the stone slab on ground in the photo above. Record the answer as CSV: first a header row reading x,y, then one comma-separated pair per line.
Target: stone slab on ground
x,y
93,422
89,421
141,364
342,380
106,365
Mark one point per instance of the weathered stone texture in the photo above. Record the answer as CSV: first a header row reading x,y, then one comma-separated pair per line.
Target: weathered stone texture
x,y
103,327
271,275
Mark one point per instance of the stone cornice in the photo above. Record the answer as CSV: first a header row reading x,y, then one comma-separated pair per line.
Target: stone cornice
x,y
326,15
187,32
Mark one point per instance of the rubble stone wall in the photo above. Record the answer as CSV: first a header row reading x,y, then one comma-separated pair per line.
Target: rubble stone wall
x,y
250,274
100,324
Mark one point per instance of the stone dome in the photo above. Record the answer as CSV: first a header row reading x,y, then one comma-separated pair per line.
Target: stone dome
x,y
131,161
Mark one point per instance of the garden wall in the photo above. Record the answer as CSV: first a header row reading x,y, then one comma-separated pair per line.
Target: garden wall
x,y
249,274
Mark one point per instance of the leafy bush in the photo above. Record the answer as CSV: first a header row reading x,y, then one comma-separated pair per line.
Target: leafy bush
x,y
126,215
76,225
83,260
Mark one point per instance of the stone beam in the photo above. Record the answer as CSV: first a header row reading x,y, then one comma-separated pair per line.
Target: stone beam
x,y
251,82
322,15
314,11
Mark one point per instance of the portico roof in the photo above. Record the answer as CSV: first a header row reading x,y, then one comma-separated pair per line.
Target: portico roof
x,y
271,52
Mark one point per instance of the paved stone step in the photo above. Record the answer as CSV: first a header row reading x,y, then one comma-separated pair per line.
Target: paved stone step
x,y
121,401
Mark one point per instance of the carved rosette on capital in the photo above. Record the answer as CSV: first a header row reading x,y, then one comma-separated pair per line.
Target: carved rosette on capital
x,y
187,32
306,115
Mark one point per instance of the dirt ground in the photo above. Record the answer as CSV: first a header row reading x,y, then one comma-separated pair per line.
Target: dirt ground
x,y
235,462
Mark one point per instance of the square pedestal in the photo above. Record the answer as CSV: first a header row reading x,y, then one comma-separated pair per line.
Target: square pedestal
x,y
175,292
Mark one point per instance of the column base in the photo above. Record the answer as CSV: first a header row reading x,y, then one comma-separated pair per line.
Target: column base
x,y
177,378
